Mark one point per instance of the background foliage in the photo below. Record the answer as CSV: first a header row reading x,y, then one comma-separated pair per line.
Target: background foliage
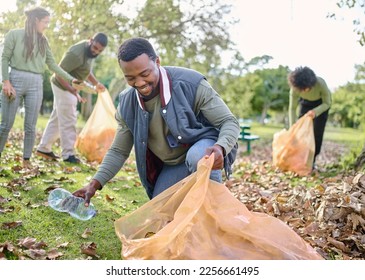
x,y
190,34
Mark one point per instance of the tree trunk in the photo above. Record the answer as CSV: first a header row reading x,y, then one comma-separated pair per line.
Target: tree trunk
x,y
87,107
264,113
360,160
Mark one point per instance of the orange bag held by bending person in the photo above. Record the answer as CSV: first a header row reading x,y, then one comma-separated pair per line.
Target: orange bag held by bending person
x,y
98,133
200,219
293,149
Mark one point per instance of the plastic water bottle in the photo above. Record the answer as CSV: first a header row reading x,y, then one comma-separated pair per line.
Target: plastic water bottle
x,y
63,201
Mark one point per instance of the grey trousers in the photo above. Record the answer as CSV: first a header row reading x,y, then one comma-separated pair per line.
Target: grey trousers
x,y
29,88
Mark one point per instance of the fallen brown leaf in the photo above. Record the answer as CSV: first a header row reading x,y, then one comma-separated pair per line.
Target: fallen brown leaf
x,y
89,249
11,225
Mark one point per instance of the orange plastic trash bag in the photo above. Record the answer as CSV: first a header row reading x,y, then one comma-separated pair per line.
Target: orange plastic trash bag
x,y
293,149
98,133
199,219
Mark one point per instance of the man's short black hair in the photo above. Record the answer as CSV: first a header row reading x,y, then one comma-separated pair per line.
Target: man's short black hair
x,y
101,38
302,78
134,47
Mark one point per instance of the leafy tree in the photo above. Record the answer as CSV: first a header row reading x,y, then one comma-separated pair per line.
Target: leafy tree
x,y
75,20
273,94
258,63
360,73
186,33
14,19
345,110
359,25
239,92
250,89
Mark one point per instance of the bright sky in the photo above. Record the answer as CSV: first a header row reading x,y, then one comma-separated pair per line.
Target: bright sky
x,y
298,33
295,33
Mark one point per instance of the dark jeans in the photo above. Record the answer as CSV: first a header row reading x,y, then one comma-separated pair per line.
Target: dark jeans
x,y
171,174
319,122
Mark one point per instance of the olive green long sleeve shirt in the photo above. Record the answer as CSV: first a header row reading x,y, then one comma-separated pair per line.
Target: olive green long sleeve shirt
x,y
319,91
14,56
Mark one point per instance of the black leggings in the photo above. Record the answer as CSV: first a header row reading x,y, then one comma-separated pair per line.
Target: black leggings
x,y
319,122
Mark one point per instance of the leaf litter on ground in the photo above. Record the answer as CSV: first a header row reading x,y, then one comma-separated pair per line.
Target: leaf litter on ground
x,y
328,211
325,210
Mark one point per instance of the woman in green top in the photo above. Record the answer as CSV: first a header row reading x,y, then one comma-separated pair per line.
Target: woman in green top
x,y
26,52
314,97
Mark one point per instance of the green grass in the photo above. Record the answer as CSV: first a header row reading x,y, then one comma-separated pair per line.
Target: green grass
x,y
343,135
28,204
27,195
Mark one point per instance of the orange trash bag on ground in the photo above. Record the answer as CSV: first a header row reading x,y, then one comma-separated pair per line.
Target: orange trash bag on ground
x,y
200,219
98,133
293,149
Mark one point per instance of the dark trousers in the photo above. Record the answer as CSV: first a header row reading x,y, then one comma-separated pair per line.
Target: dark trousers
x,y
319,122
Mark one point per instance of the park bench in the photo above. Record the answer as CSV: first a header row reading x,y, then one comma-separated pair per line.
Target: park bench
x,y
246,136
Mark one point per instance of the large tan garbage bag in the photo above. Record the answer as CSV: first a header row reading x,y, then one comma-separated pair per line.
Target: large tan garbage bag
x,y
98,133
199,219
293,149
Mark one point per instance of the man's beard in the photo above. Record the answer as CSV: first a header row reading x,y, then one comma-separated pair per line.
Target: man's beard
x,y
89,54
